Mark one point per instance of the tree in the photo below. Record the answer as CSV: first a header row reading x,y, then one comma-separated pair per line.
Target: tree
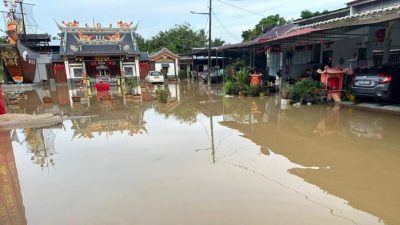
x,y
217,42
3,40
264,24
180,39
307,13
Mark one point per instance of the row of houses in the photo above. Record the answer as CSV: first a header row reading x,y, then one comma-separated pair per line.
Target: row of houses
x,y
84,51
363,34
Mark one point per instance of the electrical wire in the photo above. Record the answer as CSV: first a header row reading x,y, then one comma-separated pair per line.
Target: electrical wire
x,y
223,27
240,8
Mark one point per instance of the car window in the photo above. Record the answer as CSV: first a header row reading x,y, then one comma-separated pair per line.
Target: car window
x,y
155,74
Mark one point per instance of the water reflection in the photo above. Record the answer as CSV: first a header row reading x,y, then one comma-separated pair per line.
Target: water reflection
x,y
357,150
204,159
12,211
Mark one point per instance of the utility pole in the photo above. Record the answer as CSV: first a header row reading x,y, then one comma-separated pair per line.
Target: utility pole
x,y
209,44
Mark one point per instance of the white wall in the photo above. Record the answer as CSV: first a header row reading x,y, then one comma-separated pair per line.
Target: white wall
x,y
41,71
171,68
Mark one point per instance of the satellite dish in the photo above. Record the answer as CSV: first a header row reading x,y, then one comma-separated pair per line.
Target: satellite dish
x,y
25,55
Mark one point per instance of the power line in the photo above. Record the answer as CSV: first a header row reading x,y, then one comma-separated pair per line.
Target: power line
x,y
225,28
280,5
240,8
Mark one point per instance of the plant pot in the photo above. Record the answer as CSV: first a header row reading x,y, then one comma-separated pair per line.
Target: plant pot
x,y
107,97
13,101
46,99
307,98
76,99
315,91
285,94
322,92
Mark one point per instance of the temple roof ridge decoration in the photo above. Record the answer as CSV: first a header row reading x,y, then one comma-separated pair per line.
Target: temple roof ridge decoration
x,y
96,27
98,40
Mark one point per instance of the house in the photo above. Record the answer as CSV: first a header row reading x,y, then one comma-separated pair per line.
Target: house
x,y
166,62
363,34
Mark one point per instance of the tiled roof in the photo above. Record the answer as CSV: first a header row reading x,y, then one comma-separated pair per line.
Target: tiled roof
x,y
370,13
275,32
164,51
269,35
75,47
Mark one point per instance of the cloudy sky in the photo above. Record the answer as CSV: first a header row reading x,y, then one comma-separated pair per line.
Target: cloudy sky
x,y
156,15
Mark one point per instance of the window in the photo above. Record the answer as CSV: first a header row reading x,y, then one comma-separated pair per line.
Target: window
x,y
156,73
128,71
78,72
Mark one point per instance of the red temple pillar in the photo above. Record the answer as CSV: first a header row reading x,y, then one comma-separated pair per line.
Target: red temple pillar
x,y
2,103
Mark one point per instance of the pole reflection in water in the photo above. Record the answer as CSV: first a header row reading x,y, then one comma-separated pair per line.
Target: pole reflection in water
x,y
211,126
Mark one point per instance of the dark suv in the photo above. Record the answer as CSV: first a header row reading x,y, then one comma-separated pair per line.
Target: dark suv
x,y
379,83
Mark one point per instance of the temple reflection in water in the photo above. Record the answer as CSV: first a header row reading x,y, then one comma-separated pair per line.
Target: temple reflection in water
x,y
338,151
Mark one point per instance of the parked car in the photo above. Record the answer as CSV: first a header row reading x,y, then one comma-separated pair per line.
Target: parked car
x,y
215,75
154,77
378,83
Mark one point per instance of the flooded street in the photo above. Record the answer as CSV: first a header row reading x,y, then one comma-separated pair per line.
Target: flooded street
x,y
199,159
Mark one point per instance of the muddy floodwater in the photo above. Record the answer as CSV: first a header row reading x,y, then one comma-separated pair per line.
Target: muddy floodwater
x,y
199,159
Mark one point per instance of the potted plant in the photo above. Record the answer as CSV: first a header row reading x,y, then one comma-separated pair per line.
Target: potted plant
x,y
162,95
107,96
242,78
76,98
252,90
46,99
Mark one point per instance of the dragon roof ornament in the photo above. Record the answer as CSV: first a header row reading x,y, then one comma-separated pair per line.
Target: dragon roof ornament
x,y
97,27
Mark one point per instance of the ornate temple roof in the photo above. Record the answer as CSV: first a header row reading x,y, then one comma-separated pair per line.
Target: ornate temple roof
x,y
98,40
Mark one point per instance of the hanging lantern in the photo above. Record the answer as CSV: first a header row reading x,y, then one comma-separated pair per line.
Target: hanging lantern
x,y
380,35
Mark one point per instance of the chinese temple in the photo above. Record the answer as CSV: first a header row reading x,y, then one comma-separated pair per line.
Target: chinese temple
x,y
93,50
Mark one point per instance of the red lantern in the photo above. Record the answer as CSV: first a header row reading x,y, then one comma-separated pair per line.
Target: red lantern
x,y
380,35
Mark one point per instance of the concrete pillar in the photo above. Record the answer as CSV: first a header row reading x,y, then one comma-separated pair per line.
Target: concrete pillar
x,y
3,109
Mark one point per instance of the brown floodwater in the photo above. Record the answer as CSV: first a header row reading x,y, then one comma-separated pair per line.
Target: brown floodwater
x,y
199,159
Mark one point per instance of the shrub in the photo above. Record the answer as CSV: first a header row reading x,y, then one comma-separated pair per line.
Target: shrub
x,y
304,87
228,87
162,95
243,78
253,90
182,74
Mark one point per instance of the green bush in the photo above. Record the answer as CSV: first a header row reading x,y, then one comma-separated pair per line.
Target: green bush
x,y
253,90
243,78
162,95
304,87
182,74
228,87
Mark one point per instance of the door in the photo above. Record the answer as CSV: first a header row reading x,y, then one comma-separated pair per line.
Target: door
x,y
327,58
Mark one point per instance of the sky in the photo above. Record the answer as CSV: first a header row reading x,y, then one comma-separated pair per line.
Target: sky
x,y
160,15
